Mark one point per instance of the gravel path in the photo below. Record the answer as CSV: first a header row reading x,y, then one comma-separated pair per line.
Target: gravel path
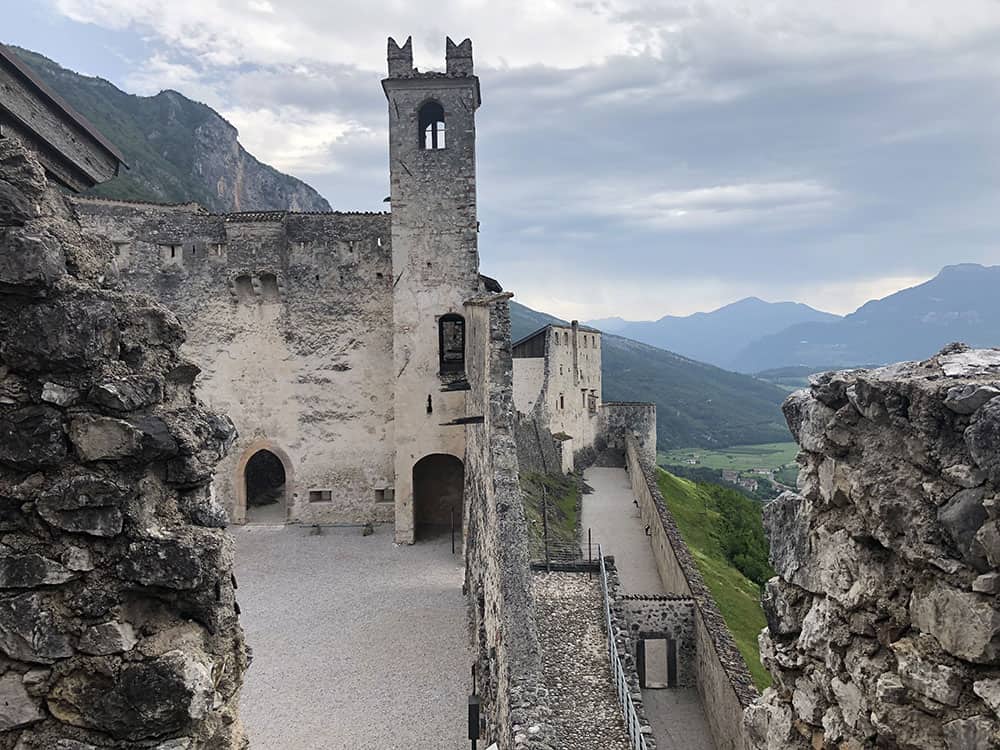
x,y
358,645
577,674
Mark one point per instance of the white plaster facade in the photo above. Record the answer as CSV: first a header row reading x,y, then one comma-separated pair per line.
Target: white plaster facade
x,y
557,379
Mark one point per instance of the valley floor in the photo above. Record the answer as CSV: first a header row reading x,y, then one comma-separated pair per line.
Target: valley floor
x,y
357,644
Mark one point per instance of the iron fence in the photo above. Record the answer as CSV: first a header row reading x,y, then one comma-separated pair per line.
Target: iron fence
x,y
636,738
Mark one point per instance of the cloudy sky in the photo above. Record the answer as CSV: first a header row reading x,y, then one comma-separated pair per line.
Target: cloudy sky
x,y
636,157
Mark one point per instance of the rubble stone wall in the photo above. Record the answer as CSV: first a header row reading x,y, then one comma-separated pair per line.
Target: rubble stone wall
x,y
289,316
883,620
118,621
663,616
498,577
722,677
621,420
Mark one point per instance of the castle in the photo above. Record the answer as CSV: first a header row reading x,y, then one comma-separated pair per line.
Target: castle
x,y
337,341
370,377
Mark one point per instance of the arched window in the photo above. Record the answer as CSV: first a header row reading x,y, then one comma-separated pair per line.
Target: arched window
x,y
451,342
432,125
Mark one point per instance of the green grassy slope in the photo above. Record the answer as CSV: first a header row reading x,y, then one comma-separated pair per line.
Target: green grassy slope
x,y
696,404
738,597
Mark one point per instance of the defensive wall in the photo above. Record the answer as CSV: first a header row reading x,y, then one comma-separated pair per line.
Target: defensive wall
x,y
498,579
883,620
721,675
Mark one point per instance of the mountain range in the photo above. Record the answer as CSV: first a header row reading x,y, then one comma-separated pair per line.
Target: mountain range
x,y
959,304
177,150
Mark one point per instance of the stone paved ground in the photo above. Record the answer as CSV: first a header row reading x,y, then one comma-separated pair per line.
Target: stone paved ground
x,y
577,674
358,645
676,715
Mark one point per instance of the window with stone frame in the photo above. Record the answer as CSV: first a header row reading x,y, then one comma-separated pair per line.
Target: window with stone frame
x,y
432,126
451,343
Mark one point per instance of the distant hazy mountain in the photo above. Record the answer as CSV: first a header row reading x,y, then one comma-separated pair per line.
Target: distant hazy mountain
x,y
178,150
716,336
697,404
962,303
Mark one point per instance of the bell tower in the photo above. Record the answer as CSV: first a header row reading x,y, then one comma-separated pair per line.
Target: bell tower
x,y
435,261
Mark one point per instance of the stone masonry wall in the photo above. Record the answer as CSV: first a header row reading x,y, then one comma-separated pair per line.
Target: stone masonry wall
x,y
723,680
498,579
883,620
118,623
666,616
289,317
621,420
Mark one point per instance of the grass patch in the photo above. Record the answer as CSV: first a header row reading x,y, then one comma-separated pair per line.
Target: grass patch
x,y
701,526
563,496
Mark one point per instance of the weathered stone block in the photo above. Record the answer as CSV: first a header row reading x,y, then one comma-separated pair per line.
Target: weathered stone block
x,y
105,438
128,394
28,571
30,631
17,708
32,437
982,438
962,517
171,563
975,733
965,624
86,504
59,395
919,667
30,262
108,638
143,700
70,334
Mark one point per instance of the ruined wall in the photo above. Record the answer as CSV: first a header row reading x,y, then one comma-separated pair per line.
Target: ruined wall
x,y
536,449
118,623
723,680
288,316
883,622
498,578
667,616
621,420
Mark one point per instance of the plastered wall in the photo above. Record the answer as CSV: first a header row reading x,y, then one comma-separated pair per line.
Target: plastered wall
x,y
289,320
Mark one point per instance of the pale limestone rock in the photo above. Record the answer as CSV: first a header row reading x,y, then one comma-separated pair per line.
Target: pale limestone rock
x,y
108,638
919,670
16,707
965,624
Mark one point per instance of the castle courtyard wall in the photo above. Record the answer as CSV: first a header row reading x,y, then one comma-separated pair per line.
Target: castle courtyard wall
x,y
288,320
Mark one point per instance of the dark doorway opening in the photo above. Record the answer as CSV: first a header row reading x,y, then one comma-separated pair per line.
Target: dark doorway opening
x,y
437,495
656,662
265,486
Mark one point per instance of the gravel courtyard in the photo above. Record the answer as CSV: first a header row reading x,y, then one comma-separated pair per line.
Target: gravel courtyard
x,y
357,644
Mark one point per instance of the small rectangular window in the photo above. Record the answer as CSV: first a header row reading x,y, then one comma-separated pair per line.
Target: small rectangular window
x,y
387,495
320,496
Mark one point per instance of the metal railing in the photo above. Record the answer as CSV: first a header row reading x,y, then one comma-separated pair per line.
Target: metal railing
x,y
636,738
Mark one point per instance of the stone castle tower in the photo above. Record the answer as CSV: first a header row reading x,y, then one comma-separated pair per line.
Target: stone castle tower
x,y
435,261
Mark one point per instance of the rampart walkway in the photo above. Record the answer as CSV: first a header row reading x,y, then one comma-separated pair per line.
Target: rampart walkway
x,y
357,645
676,715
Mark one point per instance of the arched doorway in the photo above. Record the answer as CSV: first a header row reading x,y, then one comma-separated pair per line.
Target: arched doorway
x,y
437,494
265,479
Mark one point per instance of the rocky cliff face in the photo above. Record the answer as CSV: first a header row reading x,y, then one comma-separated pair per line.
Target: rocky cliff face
x,y
118,623
178,150
884,620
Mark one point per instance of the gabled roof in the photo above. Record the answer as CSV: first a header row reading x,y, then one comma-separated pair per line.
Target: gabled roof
x,y
30,77
547,326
